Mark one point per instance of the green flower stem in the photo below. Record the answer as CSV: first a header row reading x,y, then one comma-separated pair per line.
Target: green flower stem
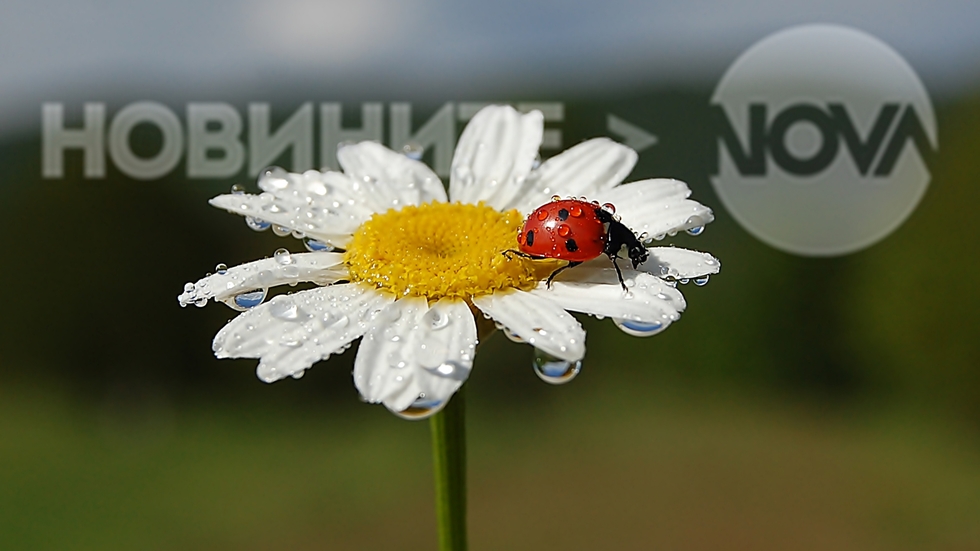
x,y
449,460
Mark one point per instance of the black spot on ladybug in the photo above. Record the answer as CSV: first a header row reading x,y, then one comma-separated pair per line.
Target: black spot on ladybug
x,y
571,245
530,238
563,214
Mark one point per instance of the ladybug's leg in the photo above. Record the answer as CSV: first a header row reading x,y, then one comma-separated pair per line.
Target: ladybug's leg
x,y
521,254
560,270
619,273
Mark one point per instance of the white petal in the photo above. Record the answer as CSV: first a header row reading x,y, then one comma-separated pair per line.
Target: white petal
x,y
322,268
327,206
450,338
680,263
540,322
292,332
494,156
414,350
382,369
649,299
410,181
657,207
581,171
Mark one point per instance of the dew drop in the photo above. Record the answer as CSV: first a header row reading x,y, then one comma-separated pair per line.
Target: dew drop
x,y
701,281
251,299
299,374
695,225
421,408
284,309
281,231
221,269
282,256
256,224
609,207
554,370
274,177
237,189
639,328
510,334
446,369
413,150
396,360
314,245
436,319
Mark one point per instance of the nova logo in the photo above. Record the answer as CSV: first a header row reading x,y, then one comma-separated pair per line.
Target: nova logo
x,y
824,133
834,126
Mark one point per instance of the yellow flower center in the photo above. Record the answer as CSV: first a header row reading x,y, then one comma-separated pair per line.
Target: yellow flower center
x,y
441,250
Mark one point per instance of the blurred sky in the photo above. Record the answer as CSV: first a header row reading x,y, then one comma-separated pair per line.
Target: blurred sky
x,y
71,51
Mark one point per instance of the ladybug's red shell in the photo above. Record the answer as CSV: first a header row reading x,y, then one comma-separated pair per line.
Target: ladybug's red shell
x,y
567,229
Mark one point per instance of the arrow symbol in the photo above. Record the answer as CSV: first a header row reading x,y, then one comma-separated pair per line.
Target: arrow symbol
x,y
633,136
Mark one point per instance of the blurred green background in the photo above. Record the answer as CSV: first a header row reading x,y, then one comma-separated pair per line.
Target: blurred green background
x,y
799,403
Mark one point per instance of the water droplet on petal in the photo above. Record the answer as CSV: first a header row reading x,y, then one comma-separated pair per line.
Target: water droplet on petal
x,y
274,177
701,281
314,245
281,231
282,256
436,319
251,299
256,224
446,370
413,150
299,374
396,360
554,370
284,309
639,328
695,225
508,333
421,409
237,189
221,269
609,207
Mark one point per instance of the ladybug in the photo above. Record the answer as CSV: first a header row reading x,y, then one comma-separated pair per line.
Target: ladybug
x,y
577,231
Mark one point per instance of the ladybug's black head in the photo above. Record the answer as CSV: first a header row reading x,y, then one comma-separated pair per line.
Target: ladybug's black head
x,y
618,236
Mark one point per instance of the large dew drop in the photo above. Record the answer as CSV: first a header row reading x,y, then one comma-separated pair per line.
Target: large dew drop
x,y
554,370
422,408
251,299
640,329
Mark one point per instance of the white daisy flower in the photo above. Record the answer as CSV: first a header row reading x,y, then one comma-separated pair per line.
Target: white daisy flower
x,y
404,270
